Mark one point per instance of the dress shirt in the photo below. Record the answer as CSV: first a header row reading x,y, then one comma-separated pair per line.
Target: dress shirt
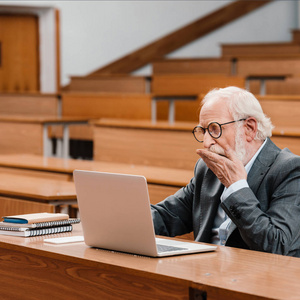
x,y
222,222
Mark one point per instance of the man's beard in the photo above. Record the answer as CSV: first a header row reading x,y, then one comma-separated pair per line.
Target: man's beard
x,y
240,149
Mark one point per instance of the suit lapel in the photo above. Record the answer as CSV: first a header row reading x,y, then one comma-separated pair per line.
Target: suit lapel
x,y
262,165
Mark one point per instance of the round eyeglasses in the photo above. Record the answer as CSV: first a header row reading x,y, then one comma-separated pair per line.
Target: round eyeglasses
x,y
214,129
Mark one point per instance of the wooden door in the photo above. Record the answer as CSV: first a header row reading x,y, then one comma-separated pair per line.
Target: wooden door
x,y
19,53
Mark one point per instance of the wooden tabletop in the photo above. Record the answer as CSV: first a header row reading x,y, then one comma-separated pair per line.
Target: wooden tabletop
x,y
228,273
158,175
39,189
42,119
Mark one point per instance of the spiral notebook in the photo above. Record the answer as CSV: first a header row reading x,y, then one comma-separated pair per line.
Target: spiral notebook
x,y
115,215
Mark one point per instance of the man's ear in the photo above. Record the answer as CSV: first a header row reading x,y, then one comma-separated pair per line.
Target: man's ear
x,y
250,126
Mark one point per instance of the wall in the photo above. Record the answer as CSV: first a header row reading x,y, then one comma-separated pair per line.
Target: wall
x,y
94,33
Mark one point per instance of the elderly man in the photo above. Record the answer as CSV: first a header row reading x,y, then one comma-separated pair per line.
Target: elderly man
x,y
245,191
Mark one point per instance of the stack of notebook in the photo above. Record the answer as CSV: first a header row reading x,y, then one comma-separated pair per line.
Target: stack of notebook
x,y
37,224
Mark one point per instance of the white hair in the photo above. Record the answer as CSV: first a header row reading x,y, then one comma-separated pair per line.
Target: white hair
x,y
242,105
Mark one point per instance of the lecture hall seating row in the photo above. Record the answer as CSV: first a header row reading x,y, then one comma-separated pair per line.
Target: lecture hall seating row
x,y
27,136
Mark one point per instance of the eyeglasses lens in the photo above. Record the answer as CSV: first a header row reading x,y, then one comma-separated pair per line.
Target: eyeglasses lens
x,y
199,133
214,130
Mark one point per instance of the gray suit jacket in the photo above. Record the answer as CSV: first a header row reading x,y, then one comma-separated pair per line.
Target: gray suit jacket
x,y
265,216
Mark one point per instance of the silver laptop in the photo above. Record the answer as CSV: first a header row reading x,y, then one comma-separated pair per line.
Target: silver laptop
x,y
115,215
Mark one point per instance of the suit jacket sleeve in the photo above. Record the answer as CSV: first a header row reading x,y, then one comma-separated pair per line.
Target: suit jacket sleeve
x,y
268,215
173,216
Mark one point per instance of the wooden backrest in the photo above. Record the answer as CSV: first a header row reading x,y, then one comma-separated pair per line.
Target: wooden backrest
x,y
145,143
191,84
109,84
192,66
29,104
268,65
100,105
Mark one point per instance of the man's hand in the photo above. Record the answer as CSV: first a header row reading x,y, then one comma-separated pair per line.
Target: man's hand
x,y
228,169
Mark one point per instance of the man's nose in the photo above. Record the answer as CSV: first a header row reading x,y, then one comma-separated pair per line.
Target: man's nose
x,y
207,140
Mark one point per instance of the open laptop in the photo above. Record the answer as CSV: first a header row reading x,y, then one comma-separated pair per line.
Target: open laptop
x,y
115,215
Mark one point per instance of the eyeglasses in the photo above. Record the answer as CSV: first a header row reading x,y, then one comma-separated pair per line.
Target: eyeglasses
x,y
214,129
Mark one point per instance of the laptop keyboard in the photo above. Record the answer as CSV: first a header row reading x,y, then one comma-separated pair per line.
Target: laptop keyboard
x,y
166,248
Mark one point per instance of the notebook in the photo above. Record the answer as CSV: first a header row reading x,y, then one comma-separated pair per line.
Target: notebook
x,y
115,215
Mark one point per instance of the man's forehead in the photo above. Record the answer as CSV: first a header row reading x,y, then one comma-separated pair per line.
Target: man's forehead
x,y
215,110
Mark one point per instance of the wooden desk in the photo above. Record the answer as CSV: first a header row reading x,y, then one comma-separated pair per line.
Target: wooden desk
x,y
21,194
162,182
32,269
29,134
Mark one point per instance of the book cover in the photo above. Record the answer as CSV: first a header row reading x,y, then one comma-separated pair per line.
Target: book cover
x,y
35,218
29,232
